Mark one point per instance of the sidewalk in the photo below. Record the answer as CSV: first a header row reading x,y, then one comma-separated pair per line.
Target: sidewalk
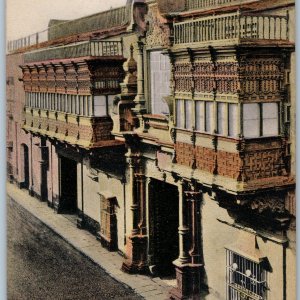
x,y
86,243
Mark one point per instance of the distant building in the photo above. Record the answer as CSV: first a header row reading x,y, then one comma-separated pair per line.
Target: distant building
x,y
167,128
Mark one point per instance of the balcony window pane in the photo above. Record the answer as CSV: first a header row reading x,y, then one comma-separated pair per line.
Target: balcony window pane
x,y
222,118
233,120
270,119
77,104
100,108
188,114
160,82
199,106
209,117
179,113
251,120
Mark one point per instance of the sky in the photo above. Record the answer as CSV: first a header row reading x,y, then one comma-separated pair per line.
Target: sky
x,y
24,17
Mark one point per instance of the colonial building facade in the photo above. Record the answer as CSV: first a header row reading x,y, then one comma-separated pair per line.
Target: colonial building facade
x,y
167,128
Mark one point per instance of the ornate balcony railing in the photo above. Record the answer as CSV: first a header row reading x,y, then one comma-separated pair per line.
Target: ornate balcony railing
x,y
100,21
83,49
231,27
200,4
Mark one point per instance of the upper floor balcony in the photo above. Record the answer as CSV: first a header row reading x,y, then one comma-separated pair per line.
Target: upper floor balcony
x,y
87,49
207,4
80,29
77,120
232,29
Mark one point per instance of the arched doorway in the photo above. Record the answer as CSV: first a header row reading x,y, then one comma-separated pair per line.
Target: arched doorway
x,y
25,163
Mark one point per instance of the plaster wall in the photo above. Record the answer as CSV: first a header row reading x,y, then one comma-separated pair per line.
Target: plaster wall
x,y
114,187
218,235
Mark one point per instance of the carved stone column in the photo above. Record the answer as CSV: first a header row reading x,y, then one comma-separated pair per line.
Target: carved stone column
x,y
183,229
136,242
189,264
140,97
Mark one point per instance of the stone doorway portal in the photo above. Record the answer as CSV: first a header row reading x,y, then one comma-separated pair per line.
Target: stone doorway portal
x,y
163,227
68,185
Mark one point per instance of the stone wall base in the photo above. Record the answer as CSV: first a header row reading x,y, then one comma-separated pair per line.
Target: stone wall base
x,y
136,255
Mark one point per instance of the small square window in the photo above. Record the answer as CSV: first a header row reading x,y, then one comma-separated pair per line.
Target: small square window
x,y
245,278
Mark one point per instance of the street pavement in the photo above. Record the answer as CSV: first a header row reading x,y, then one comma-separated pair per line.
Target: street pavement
x,y
41,265
70,284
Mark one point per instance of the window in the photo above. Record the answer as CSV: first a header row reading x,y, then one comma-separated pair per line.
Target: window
x,y
251,120
188,109
209,119
199,106
245,279
179,114
222,117
100,106
160,82
270,119
260,119
184,114
232,120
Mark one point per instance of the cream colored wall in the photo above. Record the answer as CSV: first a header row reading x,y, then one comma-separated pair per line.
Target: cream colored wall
x,y
291,264
217,235
79,191
91,200
115,187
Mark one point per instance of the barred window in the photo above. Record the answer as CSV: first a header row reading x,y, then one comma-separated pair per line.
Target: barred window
x,y
245,279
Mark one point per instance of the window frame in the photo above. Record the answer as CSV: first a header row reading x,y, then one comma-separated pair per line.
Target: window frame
x,y
253,284
149,81
261,119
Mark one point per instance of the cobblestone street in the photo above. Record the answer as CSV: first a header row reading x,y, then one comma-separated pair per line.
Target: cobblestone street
x,y
43,266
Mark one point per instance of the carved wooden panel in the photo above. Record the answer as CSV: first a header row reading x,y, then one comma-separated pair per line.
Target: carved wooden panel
x,y
43,80
257,162
184,154
290,202
228,164
35,80
205,159
71,79
27,80
183,76
262,164
158,33
258,78
261,76
204,77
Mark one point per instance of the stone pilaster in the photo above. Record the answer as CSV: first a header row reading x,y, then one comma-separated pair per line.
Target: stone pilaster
x,y
189,264
137,241
140,97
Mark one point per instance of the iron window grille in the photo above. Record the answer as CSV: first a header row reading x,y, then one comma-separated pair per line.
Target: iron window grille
x,y
245,279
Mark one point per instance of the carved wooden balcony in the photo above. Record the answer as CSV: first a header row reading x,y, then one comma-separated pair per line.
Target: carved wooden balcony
x,y
86,132
232,29
233,164
88,49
